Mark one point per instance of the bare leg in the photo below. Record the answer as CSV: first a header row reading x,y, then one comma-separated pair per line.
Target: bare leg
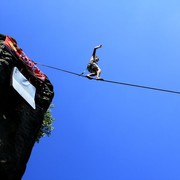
x,y
98,73
91,74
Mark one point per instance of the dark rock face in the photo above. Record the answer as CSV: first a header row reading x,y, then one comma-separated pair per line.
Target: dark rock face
x,y
19,122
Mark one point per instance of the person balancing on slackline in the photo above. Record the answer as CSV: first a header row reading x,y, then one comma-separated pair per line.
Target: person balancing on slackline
x,y
93,67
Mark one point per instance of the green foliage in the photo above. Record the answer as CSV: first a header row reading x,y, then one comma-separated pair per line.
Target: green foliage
x,y
47,126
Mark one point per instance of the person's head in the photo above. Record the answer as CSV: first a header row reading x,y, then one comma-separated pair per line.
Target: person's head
x,y
96,58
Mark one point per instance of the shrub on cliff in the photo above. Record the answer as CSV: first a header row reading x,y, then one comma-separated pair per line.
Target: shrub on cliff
x,y
47,125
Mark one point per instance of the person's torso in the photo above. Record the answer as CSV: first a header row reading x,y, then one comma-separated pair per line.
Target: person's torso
x,y
92,60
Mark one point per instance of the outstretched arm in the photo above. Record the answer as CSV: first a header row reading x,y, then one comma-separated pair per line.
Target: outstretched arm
x,y
94,51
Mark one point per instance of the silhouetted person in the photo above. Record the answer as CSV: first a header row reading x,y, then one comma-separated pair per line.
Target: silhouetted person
x,y
93,67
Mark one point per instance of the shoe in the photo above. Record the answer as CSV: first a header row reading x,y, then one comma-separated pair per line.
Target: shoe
x,y
89,77
99,78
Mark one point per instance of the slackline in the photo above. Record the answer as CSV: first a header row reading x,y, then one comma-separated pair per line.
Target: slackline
x,y
110,81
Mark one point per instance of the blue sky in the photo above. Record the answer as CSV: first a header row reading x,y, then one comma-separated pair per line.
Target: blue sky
x,y
102,130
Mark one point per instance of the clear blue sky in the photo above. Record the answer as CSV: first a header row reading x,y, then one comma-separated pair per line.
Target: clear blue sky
x,y
104,131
